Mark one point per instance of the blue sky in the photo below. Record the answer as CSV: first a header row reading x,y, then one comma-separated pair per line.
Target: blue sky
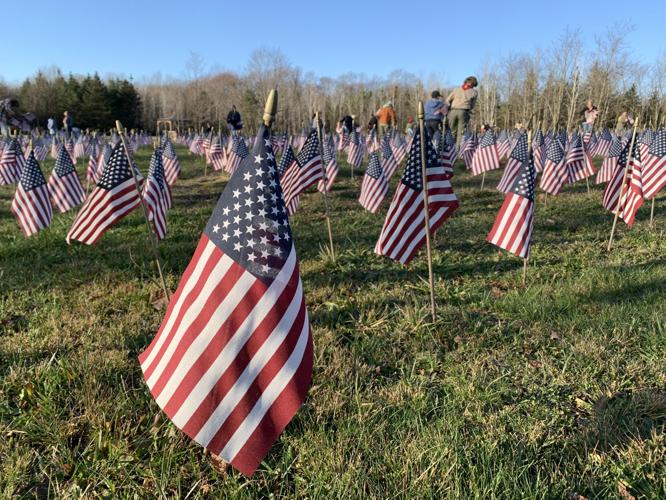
x,y
448,40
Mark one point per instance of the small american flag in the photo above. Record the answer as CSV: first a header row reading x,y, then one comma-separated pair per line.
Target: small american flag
x,y
467,147
578,161
404,233
303,173
237,153
631,193
513,225
400,148
355,151
157,194
554,168
389,162
485,157
603,144
91,172
609,164
654,168
374,186
170,161
11,163
216,154
331,162
232,361
538,150
31,204
64,184
515,163
114,197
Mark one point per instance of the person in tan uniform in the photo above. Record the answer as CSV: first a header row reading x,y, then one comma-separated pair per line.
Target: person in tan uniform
x,y
461,103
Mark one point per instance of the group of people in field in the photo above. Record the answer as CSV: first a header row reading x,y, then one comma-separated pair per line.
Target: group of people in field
x,y
9,118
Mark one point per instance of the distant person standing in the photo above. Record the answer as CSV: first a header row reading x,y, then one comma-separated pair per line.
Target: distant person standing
x,y
409,128
67,123
385,117
51,126
347,123
624,122
6,113
435,111
590,113
234,121
461,103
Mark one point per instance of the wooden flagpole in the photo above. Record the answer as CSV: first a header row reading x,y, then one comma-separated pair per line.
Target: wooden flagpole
x,y
624,180
321,154
483,179
151,235
353,130
426,214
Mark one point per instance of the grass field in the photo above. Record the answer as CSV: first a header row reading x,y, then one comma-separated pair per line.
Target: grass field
x,y
554,390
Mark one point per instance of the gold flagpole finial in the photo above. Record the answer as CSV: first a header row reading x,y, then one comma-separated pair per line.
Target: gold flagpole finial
x,y
270,110
421,113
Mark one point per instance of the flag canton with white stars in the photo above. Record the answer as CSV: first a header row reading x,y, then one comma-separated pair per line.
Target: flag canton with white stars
x,y
615,148
412,177
117,169
520,151
239,147
310,149
488,139
646,137
249,223
326,151
286,160
538,139
32,176
63,164
167,149
524,183
156,168
576,141
625,153
374,167
658,146
386,148
554,152
606,135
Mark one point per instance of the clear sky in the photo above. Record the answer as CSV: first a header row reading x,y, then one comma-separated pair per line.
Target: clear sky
x,y
446,39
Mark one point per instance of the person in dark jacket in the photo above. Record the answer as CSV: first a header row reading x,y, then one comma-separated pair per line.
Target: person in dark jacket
x,y
234,121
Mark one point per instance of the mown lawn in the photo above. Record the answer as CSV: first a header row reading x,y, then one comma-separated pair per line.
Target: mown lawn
x,y
553,390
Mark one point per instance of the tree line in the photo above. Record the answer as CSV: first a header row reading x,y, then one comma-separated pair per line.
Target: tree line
x,y
93,102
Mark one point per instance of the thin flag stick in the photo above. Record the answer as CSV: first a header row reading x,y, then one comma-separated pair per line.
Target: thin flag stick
x,y
321,155
624,180
353,130
151,235
652,211
426,214
529,155
483,179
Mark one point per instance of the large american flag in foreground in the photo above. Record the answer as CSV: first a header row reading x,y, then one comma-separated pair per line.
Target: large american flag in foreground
x,y
513,225
232,361
403,233
64,184
114,197
31,204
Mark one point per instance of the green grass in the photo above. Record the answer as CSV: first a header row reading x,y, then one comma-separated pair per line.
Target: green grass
x,y
552,390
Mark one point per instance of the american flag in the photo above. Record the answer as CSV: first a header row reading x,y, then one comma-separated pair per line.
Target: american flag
x,y
631,193
609,165
12,163
372,141
404,233
216,154
399,147
578,161
554,168
114,197
514,164
485,157
331,162
288,158
538,150
157,194
389,162
513,225
232,361
645,141
170,161
31,204
467,147
654,166
69,146
91,172
374,186
64,184
304,172
355,151
603,144
503,144
237,153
